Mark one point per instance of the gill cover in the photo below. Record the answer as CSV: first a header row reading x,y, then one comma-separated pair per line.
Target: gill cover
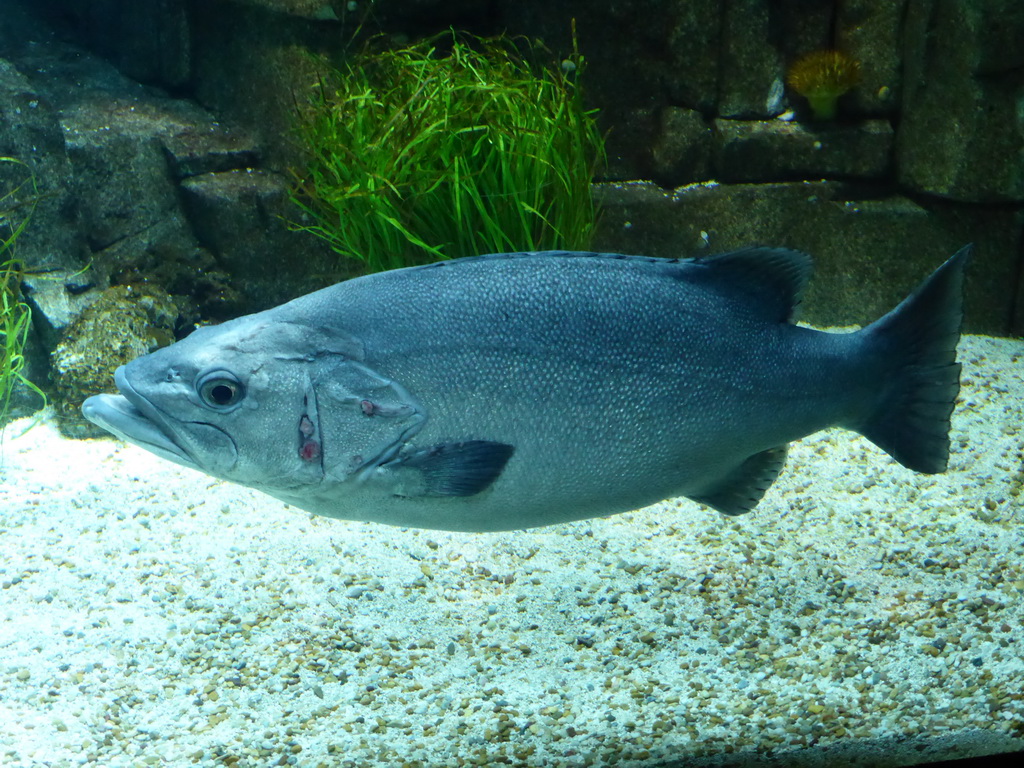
x,y
363,418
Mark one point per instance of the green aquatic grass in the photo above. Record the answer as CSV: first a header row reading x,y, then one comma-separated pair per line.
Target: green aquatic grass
x,y
15,316
451,147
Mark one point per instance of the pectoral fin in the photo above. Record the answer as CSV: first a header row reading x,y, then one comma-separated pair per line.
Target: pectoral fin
x,y
455,469
741,489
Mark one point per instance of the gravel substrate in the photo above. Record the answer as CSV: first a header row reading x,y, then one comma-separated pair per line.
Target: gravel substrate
x,y
152,616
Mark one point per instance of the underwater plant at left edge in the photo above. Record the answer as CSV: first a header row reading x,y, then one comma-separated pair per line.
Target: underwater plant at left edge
x,y
15,315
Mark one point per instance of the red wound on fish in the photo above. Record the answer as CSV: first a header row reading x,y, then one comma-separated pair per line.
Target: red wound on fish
x,y
309,450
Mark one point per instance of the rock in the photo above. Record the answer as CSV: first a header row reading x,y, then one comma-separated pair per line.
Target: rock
x,y
242,217
629,148
961,131
122,324
318,10
807,26
128,148
147,40
418,16
693,44
752,75
107,153
36,186
682,152
112,136
870,31
200,287
869,252
251,65
198,145
56,298
777,150
34,192
121,169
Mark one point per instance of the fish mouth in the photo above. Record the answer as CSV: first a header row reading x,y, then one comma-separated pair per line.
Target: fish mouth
x,y
133,419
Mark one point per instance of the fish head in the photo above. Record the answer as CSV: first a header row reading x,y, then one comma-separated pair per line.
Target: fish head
x,y
236,401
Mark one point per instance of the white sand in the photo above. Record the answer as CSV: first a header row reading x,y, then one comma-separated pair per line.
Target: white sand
x,y
150,615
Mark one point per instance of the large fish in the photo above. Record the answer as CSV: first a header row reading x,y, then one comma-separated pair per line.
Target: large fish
x,y
516,390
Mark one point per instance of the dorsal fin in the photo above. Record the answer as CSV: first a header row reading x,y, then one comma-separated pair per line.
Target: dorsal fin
x,y
769,280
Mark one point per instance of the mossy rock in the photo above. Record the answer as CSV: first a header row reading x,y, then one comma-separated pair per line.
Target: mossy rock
x,y
126,321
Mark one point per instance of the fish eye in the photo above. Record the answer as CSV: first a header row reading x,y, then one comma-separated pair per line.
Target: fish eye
x,y
220,390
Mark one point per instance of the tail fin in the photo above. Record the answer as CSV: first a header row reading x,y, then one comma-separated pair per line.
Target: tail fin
x,y
911,420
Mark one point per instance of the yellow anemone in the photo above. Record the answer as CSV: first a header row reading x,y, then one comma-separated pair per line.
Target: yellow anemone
x,y
822,77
